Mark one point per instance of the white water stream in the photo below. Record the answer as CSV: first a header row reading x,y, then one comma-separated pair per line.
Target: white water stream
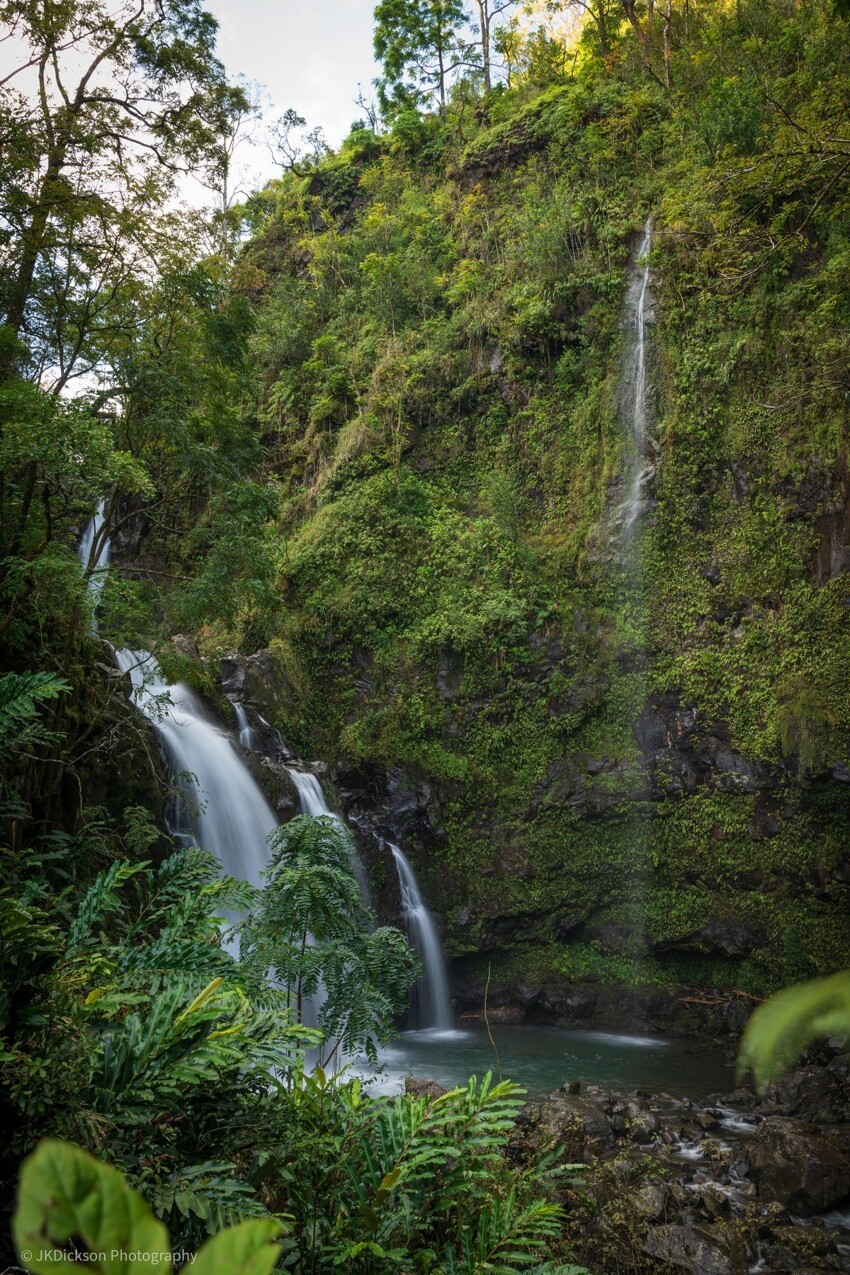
x,y
431,1006
95,552
634,404
220,804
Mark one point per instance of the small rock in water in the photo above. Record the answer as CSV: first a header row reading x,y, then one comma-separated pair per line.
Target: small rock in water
x,y
423,1088
705,1119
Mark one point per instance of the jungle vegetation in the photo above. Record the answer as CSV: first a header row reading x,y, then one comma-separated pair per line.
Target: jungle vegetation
x,y
367,420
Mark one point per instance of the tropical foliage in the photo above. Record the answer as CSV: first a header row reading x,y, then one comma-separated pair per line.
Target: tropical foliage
x,y
368,423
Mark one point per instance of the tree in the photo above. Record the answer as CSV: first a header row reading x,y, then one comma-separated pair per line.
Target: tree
x,y
420,45
107,105
314,934
288,152
488,12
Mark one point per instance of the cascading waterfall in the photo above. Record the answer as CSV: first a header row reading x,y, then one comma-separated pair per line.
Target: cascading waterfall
x,y
310,795
431,1006
220,806
430,1003
634,397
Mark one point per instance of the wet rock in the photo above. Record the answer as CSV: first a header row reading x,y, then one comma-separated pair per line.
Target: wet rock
x,y
650,1200
232,673
449,673
799,1165
651,731
691,1248
809,1093
186,646
729,936
577,1123
644,1128
705,1119
423,1088
740,479
736,774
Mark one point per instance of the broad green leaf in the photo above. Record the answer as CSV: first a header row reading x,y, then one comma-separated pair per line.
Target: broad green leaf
x,y
246,1249
65,1194
784,1026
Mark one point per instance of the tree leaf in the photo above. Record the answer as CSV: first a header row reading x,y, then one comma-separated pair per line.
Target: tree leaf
x,y
246,1249
784,1026
67,1198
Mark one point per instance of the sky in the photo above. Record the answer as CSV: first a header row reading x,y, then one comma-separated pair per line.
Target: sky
x,y
310,56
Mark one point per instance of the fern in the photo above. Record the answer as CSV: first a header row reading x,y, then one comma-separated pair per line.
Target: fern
x,y
508,1238
101,899
21,697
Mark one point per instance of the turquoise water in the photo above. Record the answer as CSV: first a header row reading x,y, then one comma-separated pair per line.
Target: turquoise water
x,y
542,1058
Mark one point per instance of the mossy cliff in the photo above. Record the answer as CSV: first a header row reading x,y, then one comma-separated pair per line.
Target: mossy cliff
x,y
624,773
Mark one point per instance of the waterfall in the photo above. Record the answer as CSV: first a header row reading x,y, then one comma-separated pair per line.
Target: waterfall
x,y
634,406
430,998
95,558
220,804
310,795
222,808
247,734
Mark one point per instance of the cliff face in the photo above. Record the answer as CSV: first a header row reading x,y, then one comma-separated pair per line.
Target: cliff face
x,y
606,767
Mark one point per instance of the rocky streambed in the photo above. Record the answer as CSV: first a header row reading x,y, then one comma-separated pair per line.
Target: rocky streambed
x,y
734,1186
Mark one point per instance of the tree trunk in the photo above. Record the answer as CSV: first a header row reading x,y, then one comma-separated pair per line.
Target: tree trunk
x,y
33,241
485,43
668,17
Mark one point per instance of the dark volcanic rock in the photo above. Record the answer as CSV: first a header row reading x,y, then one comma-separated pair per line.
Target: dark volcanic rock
x,y
576,1123
423,1088
799,1165
810,1093
692,1248
728,936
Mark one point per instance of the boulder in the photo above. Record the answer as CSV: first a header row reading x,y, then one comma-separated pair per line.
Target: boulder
x,y
577,1123
801,1166
809,1093
692,1248
423,1088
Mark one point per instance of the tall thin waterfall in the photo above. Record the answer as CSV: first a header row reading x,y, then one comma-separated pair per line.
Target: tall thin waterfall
x,y
431,1004
95,552
634,397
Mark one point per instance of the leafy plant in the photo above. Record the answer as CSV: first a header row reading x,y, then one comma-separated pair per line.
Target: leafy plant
x,y
312,931
21,697
779,1031
72,1209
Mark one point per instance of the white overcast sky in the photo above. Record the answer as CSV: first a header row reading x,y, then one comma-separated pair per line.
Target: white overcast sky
x,y
310,54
